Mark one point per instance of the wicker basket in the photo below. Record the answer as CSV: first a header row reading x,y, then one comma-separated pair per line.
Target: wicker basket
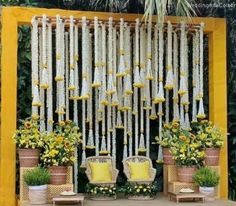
x,y
58,175
28,157
167,157
212,156
185,174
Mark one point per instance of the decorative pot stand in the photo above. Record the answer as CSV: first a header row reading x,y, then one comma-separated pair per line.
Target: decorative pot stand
x,y
186,196
79,198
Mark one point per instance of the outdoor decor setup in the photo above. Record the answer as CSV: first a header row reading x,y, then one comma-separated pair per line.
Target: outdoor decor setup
x,y
128,78
111,74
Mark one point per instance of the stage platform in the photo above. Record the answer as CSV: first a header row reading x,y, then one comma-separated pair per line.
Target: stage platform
x,y
160,200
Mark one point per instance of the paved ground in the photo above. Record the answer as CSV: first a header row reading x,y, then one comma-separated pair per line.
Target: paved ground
x,y
159,201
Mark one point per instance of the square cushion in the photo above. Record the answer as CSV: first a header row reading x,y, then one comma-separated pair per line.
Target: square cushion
x,y
101,171
139,170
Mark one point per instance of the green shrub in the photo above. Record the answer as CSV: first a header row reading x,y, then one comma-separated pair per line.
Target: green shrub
x,y
206,177
37,176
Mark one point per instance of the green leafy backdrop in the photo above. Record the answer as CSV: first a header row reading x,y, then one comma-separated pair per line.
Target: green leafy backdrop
x,y
213,8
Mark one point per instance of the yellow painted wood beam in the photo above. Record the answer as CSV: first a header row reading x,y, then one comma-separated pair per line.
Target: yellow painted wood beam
x,y
218,93
8,108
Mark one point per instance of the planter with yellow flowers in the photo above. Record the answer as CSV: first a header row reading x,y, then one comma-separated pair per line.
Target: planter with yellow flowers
x,y
101,192
170,133
188,154
135,191
59,150
28,140
211,137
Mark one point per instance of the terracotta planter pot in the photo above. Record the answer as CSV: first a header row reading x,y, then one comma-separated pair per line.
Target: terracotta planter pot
x,y
38,195
212,156
209,192
28,157
167,157
185,174
58,175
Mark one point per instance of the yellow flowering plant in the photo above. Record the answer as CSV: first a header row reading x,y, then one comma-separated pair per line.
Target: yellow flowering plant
x,y
170,133
101,190
209,134
187,151
59,145
133,189
28,136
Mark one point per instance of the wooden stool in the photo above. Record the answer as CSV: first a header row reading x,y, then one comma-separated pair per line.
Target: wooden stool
x,y
178,196
76,198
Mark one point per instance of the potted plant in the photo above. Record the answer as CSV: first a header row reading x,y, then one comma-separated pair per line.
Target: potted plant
x,y
207,180
211,137
135,191
101,192
37,180
59,150
170,133
188,155
28,140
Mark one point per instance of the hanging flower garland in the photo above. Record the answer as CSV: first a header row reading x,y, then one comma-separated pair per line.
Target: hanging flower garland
x,y
160,95
176,80
35,69
201,113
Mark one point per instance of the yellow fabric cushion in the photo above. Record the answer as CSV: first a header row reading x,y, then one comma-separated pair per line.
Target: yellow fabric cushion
x,y
139,170
101,171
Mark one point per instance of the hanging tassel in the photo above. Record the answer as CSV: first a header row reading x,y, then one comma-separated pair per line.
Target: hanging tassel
x,y
141,147
201,113
153,115
36,99
103,146
182,116
169,78
160,95
110,85
84,91
119,124
83,162
186,120
137,79
72,80
90,143
115,101
96,81
125,151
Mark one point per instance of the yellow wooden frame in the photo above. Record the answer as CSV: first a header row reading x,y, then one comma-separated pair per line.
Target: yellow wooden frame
x,y
12,17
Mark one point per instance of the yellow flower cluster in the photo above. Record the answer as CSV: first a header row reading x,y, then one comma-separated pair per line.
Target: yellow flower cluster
x,y
209,134
59,145
28,134
187,151
170,134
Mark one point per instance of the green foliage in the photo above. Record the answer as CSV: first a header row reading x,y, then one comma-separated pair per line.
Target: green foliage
x,y
37,176
140,189
100,190
24,73
206,177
